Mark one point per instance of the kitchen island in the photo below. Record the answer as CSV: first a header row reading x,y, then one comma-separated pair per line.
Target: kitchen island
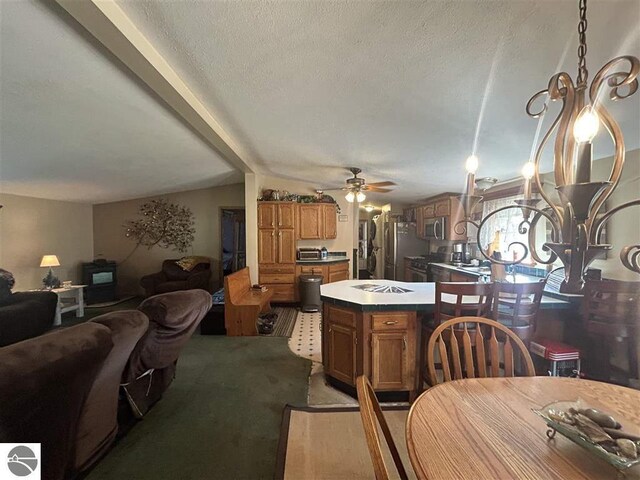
x,y
371,327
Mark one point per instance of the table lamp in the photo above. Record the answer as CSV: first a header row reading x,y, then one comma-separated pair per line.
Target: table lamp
x,y
50,280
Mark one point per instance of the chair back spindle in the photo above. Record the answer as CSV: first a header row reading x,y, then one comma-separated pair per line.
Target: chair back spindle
x,y
450,357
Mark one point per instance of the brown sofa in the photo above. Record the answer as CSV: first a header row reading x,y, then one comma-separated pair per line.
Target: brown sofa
x,y
26,315
44,382
173,278
173,316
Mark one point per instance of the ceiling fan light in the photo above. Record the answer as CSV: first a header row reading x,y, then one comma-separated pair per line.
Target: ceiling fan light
x,y
369,208
360,197
350,196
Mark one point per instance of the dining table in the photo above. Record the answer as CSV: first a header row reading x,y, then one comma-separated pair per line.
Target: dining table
x,y
486,428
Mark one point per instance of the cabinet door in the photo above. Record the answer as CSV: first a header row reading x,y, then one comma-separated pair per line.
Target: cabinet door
x,y
338,276
287,215
266,215
330,221
429,211
311,222
442,208
389,362
287,246
342,353
267,245
420,222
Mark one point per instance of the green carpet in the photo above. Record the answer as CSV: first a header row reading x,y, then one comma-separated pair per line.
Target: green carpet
x,y
219,419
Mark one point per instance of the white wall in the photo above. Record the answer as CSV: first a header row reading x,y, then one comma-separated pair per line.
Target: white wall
x,y
33,227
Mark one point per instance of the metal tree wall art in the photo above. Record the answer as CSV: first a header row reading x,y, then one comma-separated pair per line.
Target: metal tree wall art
x,y
164,224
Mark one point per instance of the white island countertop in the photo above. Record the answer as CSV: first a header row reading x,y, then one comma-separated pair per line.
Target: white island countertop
x,y
420,296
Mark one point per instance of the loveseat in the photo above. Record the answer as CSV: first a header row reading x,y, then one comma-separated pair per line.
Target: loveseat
x,y
25,315
173,277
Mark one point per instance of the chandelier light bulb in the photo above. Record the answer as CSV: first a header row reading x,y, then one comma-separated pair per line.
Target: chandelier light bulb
x,y
369,208
586,125
528,170
350,196
360,197
472,164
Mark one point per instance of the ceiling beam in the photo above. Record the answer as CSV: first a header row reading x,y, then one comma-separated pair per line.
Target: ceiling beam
x,y
106,21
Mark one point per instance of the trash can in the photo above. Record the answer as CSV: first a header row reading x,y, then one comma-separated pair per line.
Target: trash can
x,y
310,293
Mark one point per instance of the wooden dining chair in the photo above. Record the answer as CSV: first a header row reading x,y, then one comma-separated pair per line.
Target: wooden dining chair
x,y
611,313
454,299
516,305
487,355
371,415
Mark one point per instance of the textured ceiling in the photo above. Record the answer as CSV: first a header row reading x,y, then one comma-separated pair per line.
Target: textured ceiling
x,y
76,126
393,87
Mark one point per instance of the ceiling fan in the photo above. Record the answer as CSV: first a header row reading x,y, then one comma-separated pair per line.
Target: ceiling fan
x,y
356,186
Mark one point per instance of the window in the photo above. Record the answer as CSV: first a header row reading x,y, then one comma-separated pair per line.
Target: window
x,y
506,223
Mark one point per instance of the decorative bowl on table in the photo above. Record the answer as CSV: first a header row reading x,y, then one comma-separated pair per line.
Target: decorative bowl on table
x,y
596,431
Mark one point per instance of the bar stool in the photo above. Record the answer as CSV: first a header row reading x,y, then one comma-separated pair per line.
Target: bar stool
x,y
454,299
611,311
516,305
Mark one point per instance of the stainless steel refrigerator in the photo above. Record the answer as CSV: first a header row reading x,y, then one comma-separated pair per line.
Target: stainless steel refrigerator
x,y
400,240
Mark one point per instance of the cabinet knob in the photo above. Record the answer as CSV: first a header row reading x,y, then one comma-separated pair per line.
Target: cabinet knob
x,y
404,343
272,224
391,322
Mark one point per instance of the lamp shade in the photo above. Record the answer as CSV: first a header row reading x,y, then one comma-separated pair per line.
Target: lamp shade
x,y
49,261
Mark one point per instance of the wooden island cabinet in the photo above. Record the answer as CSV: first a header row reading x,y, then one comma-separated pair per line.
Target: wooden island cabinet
x,y
380,345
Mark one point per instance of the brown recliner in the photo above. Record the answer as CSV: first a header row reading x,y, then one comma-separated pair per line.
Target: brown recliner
x,y
173,278
44,382
151,367
98,423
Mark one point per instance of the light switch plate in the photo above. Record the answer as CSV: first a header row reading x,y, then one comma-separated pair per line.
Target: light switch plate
x,y
343,218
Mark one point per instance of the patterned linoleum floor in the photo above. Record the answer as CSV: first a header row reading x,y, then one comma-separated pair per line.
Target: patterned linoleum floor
x,y
306,338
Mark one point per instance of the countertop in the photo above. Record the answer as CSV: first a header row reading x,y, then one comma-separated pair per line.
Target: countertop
x,y
317,261
421,296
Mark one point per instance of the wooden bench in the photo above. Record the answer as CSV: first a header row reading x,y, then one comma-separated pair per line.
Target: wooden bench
x,y
242,304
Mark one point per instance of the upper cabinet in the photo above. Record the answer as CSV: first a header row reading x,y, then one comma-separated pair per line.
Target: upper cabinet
x,y
267,215
442,206
310,221
317,221
286,215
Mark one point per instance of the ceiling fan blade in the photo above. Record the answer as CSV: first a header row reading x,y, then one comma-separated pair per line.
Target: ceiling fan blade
x,y
378,189
382,184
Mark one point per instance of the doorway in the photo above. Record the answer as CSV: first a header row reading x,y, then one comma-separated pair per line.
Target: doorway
x,y
232,241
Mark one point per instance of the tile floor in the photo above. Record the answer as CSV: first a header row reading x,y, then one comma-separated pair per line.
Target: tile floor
x,y
306,338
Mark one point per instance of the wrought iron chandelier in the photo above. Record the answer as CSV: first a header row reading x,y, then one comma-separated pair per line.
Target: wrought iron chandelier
x,y
576,227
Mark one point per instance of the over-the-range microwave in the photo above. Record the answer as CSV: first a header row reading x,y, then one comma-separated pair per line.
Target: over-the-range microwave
x,y
436,228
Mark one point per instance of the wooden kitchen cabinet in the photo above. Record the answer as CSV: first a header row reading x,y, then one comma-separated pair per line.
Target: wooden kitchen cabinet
x,y
277,248
267,213
331,272
429,210
287,246
442,208
420,222
338,272
317,221
387,354
330,221
267,246
341,361
310,221
389,362
462,277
